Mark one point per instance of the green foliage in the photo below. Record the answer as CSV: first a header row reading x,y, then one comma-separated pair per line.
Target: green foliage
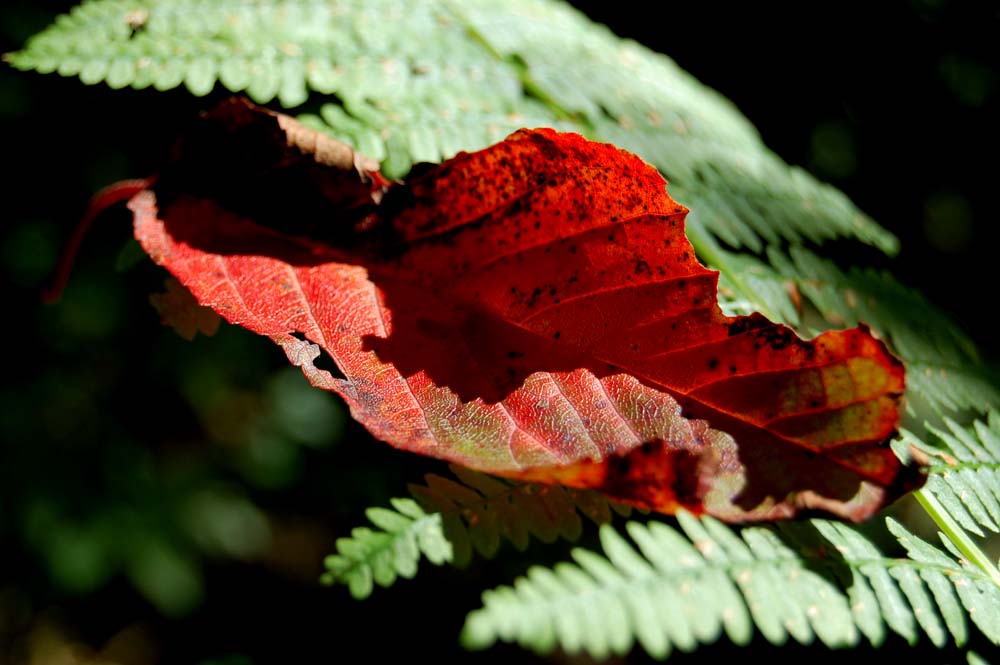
x,y
974,658
472,514
805,581
156,520
421,81
480,511
943,367
817,580
965,470
944,371
978,594
380,556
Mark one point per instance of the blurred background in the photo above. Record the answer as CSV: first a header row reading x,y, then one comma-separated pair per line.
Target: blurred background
x,y
165,501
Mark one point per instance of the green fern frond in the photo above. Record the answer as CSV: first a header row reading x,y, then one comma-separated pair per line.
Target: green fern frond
x,y
748,285
378,557
623,93
480,511
944,367
424,79
819,580
401,138
944,370
473,514
977,594
964,471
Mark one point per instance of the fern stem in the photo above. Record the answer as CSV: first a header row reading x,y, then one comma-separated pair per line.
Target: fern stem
x,y
529,85
956,534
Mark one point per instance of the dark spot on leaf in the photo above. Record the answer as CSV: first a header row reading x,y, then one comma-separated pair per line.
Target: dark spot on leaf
x,y
745,323
687,485
621,465
777,337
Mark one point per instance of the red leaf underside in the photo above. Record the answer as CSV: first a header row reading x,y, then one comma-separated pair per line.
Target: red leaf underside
x,y
532,310
179,310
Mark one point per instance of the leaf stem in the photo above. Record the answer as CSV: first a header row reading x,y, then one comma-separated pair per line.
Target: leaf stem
x,y
101,201
956,534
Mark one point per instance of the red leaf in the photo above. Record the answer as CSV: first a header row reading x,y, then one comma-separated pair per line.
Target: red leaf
x,y
179,310
532,310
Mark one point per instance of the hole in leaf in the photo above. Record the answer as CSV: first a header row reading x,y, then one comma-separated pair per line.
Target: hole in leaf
x,y
323,361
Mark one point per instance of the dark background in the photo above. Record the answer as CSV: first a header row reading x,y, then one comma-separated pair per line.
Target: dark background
x,y
110,423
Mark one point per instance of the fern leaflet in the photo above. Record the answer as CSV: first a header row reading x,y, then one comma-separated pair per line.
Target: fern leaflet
x,y
472,514
377,557
666,590
974,658
481,511
420,80
964,470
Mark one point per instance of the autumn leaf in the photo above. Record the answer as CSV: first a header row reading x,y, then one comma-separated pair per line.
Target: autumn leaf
x,y
532,310
179,310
